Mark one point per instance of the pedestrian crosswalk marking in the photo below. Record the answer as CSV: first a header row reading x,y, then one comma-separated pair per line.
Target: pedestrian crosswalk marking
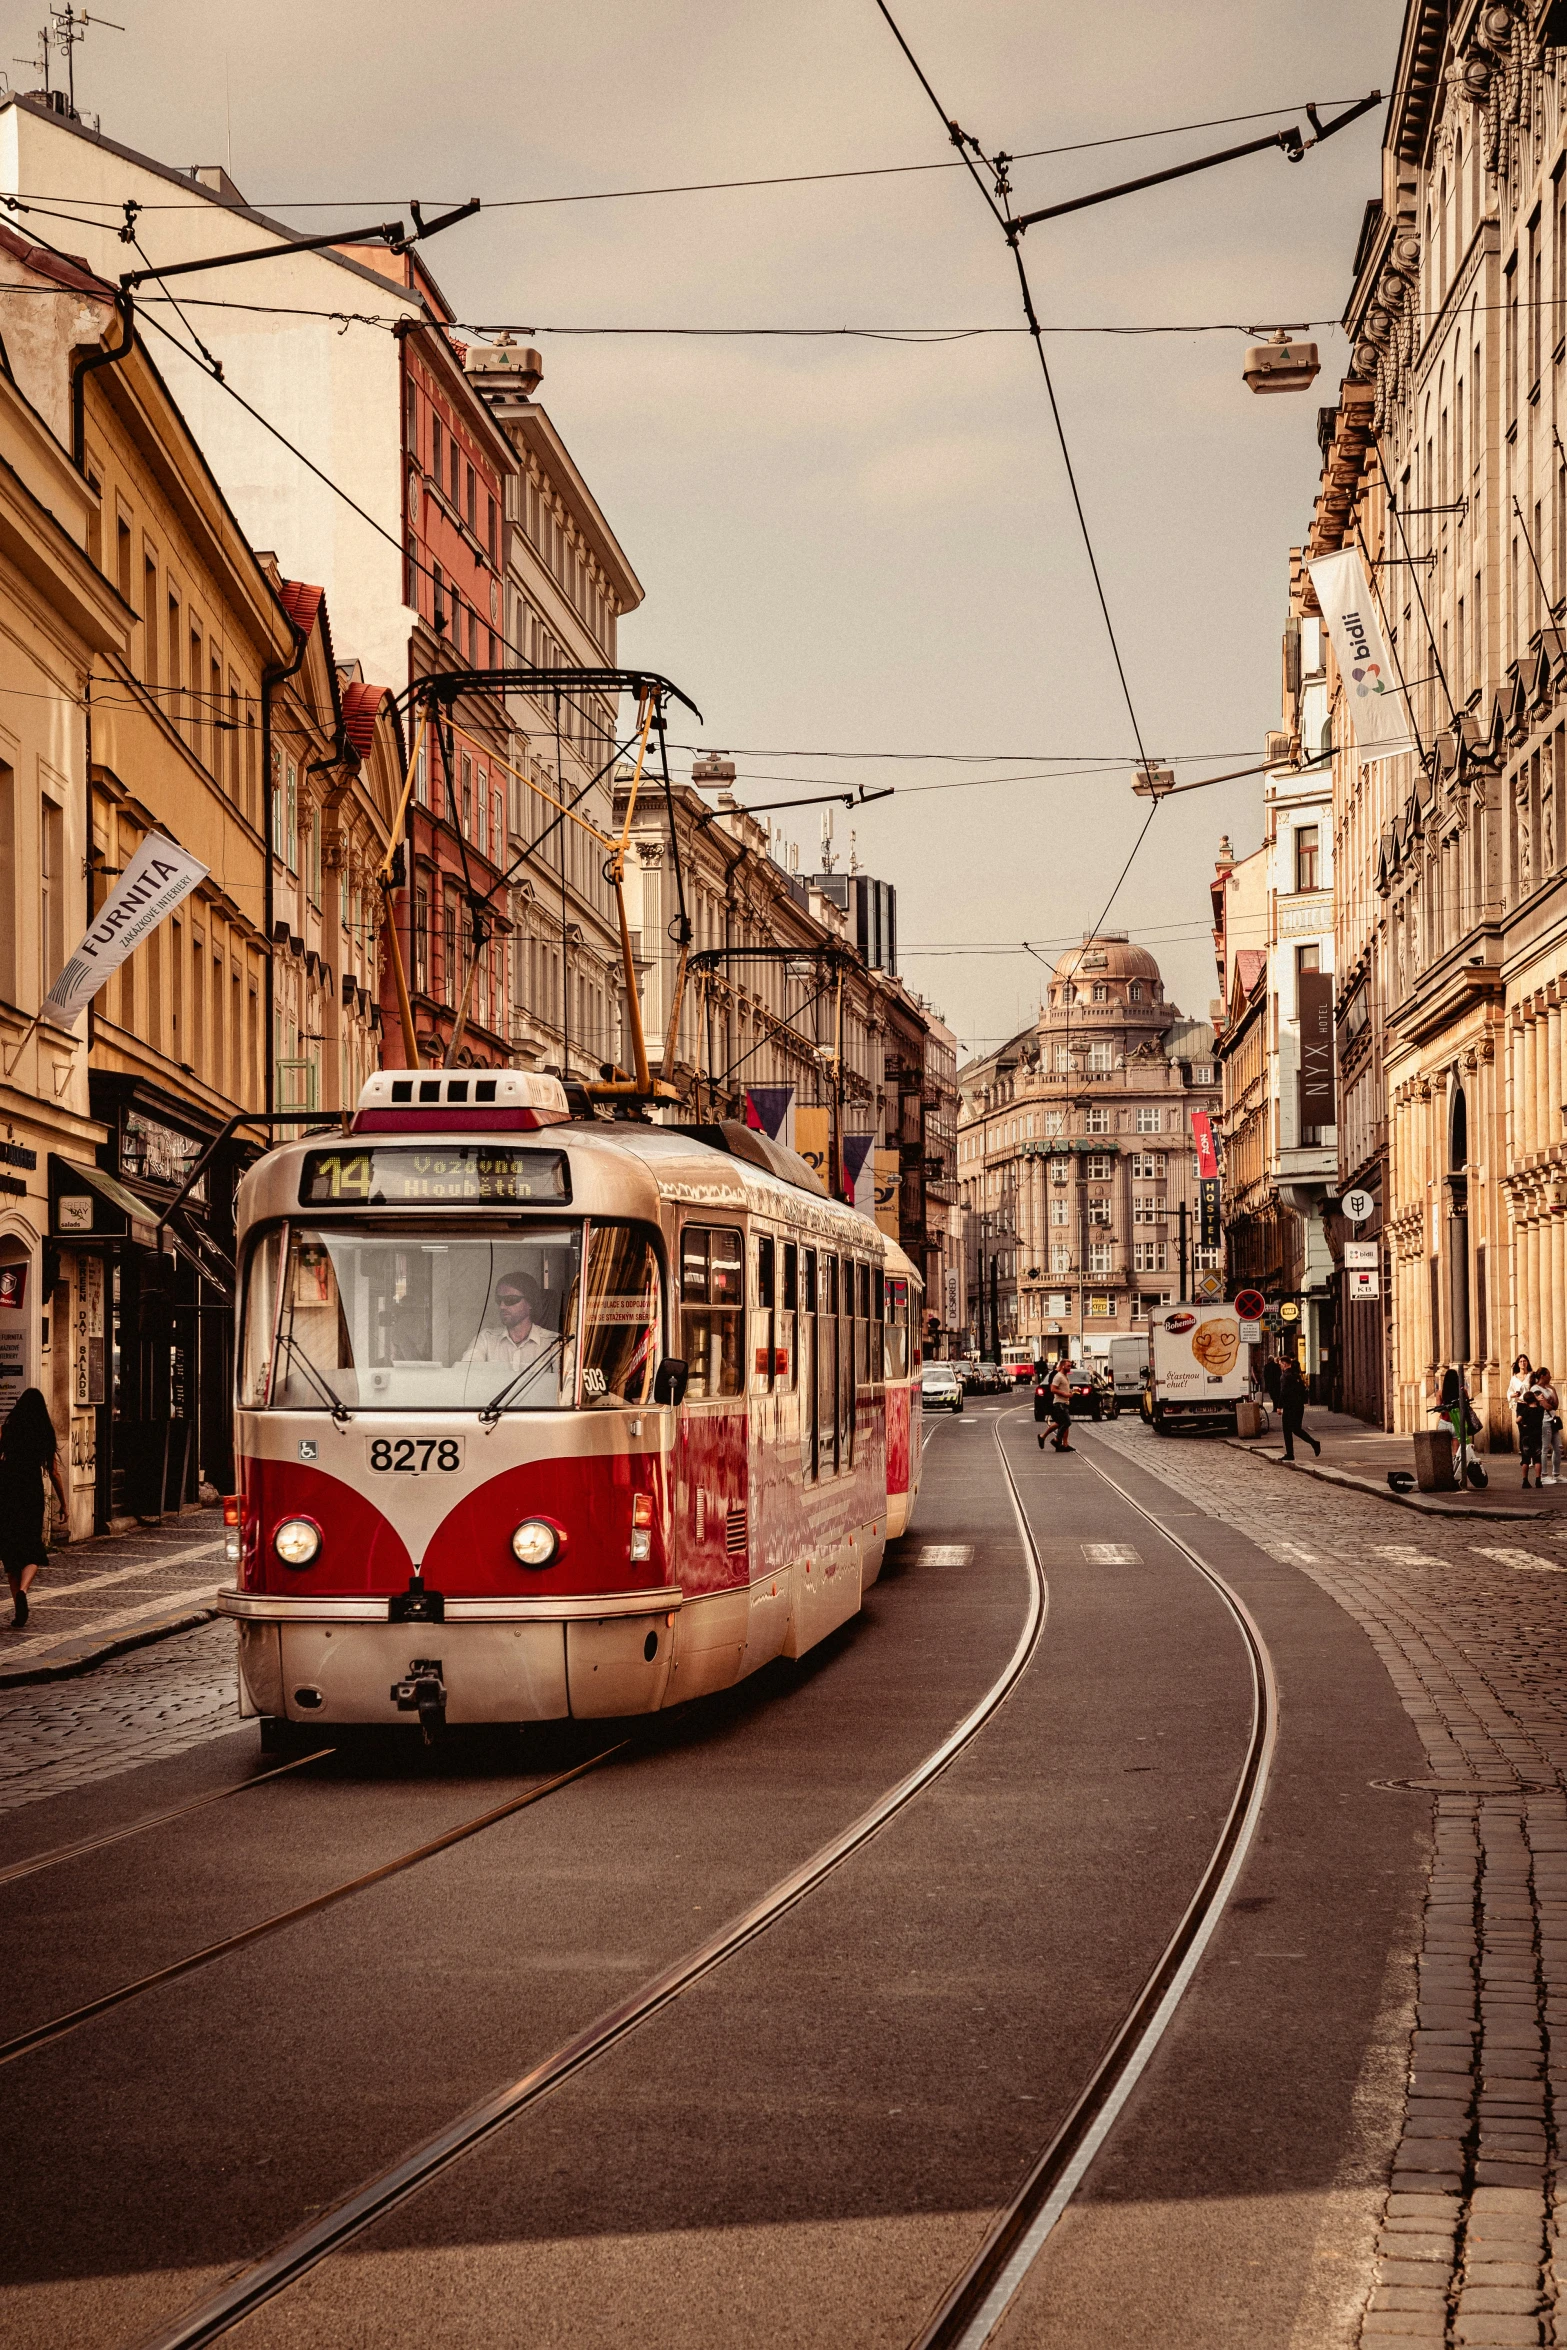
x,y
1525,1562
1405,1554
946,1554
1290,1554
1111,1554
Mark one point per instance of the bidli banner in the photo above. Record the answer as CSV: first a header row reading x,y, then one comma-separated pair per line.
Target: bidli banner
x,y
1376,708
151,886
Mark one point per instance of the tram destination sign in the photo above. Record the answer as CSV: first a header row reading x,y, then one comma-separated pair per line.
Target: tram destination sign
x,y
459,1175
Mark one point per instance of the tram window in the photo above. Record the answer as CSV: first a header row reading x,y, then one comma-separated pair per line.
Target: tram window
x,y
897,1329
255,1354
865,1332
791,1277
712,1298
879,1297
621,1317
762,1317
393,1317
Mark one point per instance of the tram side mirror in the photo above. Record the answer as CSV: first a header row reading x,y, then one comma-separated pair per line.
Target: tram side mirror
x,y
669,1380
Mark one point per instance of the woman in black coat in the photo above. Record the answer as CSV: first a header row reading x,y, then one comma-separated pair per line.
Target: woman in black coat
x,y
1292,1406
29,1450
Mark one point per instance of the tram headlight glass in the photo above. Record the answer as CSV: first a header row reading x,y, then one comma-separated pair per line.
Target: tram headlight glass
x,y
535,1543
297,1541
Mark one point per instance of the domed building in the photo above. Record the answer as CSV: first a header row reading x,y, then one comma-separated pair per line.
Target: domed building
x,y
1075,1158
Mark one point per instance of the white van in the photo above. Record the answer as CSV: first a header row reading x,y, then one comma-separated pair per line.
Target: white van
x,y
1200,1368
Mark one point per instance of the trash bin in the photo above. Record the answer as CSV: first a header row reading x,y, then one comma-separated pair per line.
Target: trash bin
x,y
1434,1460
1251,1419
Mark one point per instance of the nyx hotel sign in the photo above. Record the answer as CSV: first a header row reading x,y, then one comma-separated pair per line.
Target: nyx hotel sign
x,y
1317,1104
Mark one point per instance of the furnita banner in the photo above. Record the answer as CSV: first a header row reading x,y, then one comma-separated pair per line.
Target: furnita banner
x,y
1376,707
152,885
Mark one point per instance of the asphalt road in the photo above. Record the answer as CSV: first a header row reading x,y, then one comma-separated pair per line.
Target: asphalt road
x,y
807,2145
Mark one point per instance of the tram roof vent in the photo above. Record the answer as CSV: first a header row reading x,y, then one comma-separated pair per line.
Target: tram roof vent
x,y
416,1101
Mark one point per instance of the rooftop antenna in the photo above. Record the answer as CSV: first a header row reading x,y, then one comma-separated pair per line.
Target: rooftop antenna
x,y
854,852
40,63
67,26
829,855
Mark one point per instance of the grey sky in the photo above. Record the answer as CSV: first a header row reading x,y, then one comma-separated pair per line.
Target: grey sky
x,y
854,545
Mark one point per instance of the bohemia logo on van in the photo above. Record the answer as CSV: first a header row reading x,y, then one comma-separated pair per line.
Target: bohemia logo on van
x,y
1176,1323
1360,646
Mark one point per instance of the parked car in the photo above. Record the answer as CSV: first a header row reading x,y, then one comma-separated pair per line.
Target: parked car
x,y
991,1378
941,1390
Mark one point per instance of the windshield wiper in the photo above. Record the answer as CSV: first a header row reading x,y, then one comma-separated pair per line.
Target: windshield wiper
x,y
328,1394
492,1410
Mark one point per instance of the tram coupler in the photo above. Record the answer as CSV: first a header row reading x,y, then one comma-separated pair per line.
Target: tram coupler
x,y
418,1604
423,1693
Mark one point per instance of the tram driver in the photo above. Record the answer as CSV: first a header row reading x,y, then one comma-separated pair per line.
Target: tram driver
x,y
520,1349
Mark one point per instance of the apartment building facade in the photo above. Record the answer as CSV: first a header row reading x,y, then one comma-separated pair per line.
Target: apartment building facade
x,y
1075,1158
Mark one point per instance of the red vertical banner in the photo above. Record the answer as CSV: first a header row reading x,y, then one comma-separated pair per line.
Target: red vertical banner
x,y
1202,1136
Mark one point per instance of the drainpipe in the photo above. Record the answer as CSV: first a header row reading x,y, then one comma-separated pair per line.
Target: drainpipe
x,y
271,678
123,302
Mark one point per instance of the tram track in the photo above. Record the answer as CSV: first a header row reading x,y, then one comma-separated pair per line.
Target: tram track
x,y
59,2027
332,2229
977,2302
58,1854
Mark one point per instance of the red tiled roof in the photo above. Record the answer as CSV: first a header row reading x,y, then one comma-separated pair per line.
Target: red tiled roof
x,y
301,603
362,706
67,269
1250,964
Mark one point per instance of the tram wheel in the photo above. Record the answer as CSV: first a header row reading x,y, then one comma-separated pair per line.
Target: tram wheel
x,y
284,1738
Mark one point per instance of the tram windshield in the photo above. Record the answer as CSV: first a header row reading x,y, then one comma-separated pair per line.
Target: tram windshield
x,y
379,1318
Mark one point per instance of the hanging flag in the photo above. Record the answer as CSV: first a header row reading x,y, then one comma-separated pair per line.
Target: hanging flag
x,y
1202,1137
859,1172
1377,708
886,1191
152,885
812,1139
768,1110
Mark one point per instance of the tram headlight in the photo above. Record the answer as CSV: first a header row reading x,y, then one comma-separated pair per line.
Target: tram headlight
x,y
297,1541
535,1543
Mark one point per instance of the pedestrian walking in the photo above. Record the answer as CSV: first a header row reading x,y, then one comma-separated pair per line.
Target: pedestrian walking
x,y
1292,1405
1272,1379
1530,1411
1550,1428
1519,1384
29,1450
1061,1408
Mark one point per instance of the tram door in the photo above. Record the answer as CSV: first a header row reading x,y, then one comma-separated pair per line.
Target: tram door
x,y
809,1425
828,1351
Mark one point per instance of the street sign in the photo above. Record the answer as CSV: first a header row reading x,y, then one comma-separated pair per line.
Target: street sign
x,y
1250,1304
1289,1311
1362,1282
1358,1205
1209,1287
1361,1254
1250,1333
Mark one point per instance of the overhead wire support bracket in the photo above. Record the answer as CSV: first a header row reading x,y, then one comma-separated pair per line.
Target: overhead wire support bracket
x,y
392,233
1290,141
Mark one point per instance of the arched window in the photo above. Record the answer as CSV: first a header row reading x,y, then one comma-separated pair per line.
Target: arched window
x,y
1458,1133
1134,993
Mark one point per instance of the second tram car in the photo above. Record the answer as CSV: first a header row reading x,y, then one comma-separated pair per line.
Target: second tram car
x,y
540,1418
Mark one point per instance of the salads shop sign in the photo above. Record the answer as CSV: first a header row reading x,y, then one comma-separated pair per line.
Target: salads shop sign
x,y
151,886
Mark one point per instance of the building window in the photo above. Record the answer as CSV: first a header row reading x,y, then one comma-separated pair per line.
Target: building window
x,y
1096,1122
291,819
1205,1260
1101,993
1307,853
1202,1072
472,508
1099,1167
1099,1256
1149,1208
1060,1257
439,613
1148,1256
1134,994
1147,1167
1063,1060
436,439
490,531
1060,1211
1101,1059
411,411
1149,1121
1099,1211
1055,1121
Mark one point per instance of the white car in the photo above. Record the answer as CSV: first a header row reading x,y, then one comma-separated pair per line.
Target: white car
x,y
941,1390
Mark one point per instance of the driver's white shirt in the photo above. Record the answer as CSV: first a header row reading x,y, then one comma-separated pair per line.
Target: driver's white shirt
x,y
512,1356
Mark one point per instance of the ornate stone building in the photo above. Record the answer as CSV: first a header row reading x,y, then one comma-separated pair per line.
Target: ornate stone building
x,y
1444,463
1075,1156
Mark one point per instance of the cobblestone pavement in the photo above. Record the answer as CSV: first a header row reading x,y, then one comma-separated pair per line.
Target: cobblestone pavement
x,y
1471,1623
96,1594
138,1708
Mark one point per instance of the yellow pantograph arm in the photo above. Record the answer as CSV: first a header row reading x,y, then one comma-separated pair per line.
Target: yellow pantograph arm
x,y
401,818
562,806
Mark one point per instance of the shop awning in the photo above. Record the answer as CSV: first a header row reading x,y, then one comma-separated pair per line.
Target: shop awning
x,y
87,1204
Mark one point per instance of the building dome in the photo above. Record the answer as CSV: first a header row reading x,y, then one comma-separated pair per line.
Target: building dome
x,y
1104,954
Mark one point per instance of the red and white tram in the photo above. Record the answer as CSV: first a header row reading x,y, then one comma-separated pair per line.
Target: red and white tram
x,y
540,1418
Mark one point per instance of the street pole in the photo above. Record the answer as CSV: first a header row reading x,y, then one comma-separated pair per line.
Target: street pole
x,y
1185,1292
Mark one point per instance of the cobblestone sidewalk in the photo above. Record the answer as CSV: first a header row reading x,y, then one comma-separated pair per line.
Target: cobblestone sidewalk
x,y
1472,1627
97,1597
134,1709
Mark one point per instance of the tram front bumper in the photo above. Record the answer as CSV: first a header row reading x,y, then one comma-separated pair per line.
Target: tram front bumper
x,y
340,1661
